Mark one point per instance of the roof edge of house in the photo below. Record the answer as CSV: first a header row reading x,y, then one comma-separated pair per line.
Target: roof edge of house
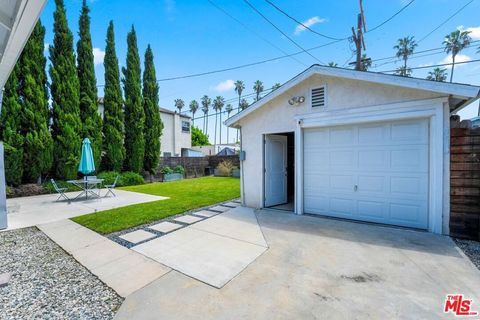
x,y
466,92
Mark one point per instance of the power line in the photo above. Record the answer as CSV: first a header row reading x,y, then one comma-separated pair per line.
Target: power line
x,y
391,18
252,31
279,30
303,25
435,65
445,21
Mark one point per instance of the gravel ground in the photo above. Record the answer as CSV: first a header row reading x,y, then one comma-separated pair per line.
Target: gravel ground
x,y
471,249
47,283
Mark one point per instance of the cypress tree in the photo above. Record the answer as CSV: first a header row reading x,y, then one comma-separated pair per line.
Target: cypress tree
x,y
65,97
10,130
35,113
91,120
153,123
113,149
134,115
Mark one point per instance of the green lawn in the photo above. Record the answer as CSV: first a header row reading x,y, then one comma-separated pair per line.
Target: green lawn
x,y
184,195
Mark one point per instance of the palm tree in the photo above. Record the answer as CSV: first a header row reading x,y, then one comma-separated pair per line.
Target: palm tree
x,y
366,62
437,74
276,86
405,48
193,109
179,104
229,109
454,43
333,64
239,87
205,105
258,88
244,104
218,104
404,71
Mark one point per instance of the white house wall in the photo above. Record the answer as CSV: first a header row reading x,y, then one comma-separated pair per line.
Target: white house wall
x,y
173,139
278,116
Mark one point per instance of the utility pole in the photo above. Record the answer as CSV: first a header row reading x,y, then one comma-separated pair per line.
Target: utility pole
x,y
358,37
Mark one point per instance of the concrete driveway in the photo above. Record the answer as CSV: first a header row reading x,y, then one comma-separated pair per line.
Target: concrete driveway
x,y
318,268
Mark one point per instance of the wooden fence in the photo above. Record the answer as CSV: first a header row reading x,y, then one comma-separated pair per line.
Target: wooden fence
x,y
465,183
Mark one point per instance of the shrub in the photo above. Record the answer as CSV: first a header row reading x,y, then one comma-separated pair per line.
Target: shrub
x,y
179,169
108,177
224,169
166,170
129,178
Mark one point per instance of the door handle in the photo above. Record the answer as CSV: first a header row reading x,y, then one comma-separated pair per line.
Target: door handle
x,y
355,188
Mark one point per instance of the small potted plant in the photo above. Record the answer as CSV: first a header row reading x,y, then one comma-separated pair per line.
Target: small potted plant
x,y
170,174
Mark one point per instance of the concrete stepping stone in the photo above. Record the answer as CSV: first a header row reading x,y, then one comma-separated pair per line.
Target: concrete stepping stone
x,y
220,208
165,226
231,204
137,236
187,219
205,213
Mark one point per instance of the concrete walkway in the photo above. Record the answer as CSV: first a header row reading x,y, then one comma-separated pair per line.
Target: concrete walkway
x,y
124,270
214,250
319,268
30,211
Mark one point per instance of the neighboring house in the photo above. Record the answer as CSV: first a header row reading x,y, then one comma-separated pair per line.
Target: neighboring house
x,y
357,145
475,122
191,153
176,133
226,152
215,149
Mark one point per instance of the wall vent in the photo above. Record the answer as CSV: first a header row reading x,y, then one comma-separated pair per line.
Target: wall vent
x,y
318,97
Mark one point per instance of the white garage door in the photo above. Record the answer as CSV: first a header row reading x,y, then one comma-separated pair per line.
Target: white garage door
x,y
373,172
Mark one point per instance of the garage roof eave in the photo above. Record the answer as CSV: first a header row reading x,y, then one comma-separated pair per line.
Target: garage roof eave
x,y
463,91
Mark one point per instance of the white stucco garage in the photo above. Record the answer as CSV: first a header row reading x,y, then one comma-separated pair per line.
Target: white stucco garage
x,y
357,145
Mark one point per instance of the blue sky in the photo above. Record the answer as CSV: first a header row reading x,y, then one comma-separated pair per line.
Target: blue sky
x,y
190,37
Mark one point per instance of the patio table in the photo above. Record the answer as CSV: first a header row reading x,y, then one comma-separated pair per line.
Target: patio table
x,y
87,186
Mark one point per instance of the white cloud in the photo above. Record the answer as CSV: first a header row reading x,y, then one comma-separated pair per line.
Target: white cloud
x,y
224,86
308,23
474,32
458,58
98,55
46,46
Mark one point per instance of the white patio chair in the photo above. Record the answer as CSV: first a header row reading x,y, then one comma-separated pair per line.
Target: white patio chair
x,y
111,187
60,191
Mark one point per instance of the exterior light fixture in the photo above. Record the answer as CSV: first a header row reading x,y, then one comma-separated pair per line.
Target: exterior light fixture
x,y
295,101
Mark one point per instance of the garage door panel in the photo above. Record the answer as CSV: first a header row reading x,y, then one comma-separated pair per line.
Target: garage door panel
x,y
415,159
372,158
370,134
342,182
373,172
339,158
408,214
371,184
408,186
371,210
341,135
317,204
410,131
342,206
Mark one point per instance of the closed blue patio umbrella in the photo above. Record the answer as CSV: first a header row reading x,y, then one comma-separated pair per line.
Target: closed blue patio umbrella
x,y
87,164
